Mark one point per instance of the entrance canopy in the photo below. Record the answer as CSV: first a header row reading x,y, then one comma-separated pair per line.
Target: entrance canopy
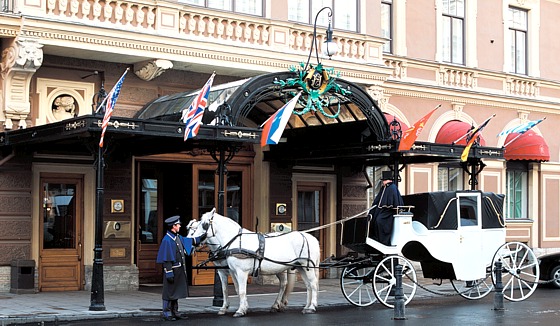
x,y
347,127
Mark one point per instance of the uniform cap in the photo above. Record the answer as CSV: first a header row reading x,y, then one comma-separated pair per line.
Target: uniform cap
x,y
173,220
387,175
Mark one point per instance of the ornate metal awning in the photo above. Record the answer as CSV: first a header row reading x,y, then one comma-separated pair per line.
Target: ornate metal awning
x,y
135,136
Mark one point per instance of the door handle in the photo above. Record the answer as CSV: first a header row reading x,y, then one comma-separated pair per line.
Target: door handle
x,y
79,251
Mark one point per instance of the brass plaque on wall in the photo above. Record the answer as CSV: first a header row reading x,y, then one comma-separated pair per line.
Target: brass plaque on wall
x,y
117,252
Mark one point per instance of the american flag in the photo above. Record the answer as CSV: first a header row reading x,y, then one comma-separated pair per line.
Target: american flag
x,y
193,115
111,100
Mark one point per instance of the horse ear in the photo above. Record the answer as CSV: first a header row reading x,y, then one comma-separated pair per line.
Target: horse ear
x,y
213,210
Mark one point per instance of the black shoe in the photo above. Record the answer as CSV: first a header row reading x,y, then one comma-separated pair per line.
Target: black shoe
x,y
179,316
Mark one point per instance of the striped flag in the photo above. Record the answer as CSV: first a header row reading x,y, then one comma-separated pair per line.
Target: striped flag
x,y
521,129
192,117
111,100
274,126
474,135
411,134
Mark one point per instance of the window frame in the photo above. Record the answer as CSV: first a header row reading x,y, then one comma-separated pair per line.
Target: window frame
x,y
387,31
323,20
514,31
233,6
520,172
453,18
460,177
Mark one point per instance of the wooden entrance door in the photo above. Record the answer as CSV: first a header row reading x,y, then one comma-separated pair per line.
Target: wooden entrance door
x,y
311,211
150,224
60,262
236,203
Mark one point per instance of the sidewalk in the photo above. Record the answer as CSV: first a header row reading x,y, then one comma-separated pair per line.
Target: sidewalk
x,y
74,305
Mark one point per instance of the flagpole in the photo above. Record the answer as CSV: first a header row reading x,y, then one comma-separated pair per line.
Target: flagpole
x,y
105,99
465,135
521,134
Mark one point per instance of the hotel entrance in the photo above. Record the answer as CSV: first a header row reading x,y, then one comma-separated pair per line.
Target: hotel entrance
x,y
188,189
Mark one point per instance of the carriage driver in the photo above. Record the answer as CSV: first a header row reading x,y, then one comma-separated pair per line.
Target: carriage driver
x,y
384,208
171,254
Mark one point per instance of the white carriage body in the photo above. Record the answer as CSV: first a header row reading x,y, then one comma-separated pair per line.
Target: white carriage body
x,y
456,243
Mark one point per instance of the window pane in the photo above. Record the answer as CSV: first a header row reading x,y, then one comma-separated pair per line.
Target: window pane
x,y
234,195
345,15
206,193
59,216
517,194
299,10
520,52
220,4
386,28
316,5
148,211
446,42
193,2
251,7
457,45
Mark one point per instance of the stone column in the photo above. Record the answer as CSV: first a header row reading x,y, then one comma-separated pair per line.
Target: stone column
x,y
20,61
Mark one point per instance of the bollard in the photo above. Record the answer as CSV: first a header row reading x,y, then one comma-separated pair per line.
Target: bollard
x,y
499,287
398,309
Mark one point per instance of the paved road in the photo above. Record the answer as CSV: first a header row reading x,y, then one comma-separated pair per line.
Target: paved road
x,y
542,308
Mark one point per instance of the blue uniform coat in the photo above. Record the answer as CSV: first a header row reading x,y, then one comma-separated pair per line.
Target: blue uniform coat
x,y
172,252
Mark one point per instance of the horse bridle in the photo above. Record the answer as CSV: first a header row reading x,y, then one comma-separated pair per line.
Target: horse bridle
x,y
207,225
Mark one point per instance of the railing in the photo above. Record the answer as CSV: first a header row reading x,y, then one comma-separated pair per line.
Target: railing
x,y
175,19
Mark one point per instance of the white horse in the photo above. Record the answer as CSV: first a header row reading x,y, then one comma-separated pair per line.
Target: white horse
x,y
244,253
286,282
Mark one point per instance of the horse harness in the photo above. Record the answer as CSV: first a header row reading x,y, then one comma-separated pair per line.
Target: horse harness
x,y
224,252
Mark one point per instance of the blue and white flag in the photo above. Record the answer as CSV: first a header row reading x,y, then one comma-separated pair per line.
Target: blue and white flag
x,y
521,129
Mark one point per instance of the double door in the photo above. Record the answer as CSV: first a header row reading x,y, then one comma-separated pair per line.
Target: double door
x,y
189,190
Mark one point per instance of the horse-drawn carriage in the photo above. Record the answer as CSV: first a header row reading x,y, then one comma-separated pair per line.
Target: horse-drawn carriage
x,y
452,235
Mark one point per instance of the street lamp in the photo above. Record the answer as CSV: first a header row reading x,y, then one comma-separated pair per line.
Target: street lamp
x,y
329,48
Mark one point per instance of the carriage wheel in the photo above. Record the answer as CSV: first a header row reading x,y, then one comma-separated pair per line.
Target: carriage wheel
x,y
473,290
520,270
384,280
356,286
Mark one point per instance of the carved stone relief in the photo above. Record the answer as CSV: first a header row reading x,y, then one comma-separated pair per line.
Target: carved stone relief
x,y
20,60
64,107
149,70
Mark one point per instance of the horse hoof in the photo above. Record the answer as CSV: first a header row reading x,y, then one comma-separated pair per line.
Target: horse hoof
x,y
221,313
238,314
308,311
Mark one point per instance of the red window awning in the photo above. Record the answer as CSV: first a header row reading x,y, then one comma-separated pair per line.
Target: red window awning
x,y
530,147
453,130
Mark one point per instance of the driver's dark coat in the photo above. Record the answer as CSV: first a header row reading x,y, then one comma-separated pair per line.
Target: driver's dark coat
x,y
171,254
383,211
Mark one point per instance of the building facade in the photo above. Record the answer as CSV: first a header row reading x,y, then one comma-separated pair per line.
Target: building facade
x,y
473,58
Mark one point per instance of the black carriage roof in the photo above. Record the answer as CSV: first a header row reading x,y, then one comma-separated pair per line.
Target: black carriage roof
x,y
438,210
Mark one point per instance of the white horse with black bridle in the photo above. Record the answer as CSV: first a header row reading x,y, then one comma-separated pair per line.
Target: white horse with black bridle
x,y
245,252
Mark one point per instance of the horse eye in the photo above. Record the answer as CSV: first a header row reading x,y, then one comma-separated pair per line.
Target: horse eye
x,y
205,226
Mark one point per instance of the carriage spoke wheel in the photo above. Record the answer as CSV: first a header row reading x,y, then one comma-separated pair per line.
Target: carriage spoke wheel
x,y
520,270
356,285
384,280
473,290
